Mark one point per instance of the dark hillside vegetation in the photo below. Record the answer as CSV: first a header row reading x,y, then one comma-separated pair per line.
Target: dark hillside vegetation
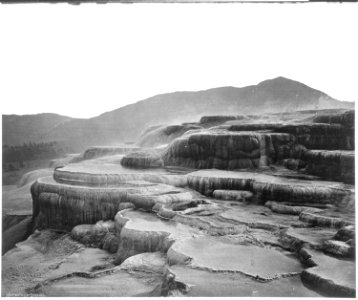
x,y
15,156
18,160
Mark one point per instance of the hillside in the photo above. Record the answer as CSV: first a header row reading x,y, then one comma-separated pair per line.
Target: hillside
x,y
19,129
126,123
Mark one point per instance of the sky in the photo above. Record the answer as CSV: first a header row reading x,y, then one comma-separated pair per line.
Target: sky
x,y
84,60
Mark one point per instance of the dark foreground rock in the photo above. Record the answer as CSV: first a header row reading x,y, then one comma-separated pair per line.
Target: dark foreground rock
x,y
16,232
51,264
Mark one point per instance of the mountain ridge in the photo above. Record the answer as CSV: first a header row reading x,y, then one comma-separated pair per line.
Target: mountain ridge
x,y
126,123
19,129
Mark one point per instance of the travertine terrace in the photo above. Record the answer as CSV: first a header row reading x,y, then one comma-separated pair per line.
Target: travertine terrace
x,y
229,206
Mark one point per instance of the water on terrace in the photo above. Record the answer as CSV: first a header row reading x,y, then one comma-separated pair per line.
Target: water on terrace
x,y
144,221
111,165
207,252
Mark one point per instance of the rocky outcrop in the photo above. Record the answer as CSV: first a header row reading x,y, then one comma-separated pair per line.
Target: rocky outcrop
x,y
143,160
302,240
320,135
233,195
16,233
13,218
99,235
346,118
65,206
17,209
315,219
228,150
140,233
294,164
333,165
255,127
330,277
255,145
50,263
248,145
324,274
339,249
288,209
345,233
268,187
310,135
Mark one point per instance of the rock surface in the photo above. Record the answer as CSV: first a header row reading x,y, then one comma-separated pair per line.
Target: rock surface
x,y
233,195
126,222
269,187
51,264
253,261
331,277
16,233
194,282
65,206
228,150
345,118
143,160
333,165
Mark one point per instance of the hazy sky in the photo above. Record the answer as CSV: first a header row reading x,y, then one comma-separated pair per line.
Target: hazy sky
x,y
84,60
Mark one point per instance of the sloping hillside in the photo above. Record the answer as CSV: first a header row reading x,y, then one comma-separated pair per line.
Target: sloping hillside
x,y
19,129
126,123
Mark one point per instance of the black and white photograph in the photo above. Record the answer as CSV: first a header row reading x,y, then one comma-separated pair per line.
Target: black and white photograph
x,y
178,149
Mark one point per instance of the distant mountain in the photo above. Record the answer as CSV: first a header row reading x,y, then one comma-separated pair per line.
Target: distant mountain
x,y
19,129
126,123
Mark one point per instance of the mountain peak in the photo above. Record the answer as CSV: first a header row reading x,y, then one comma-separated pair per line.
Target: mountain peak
x,y
280,80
